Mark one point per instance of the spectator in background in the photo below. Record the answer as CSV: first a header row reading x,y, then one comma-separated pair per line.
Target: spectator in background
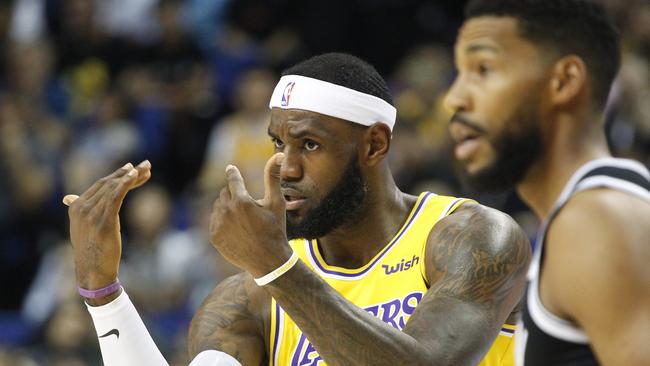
x,y
420,148
130,19
109,137
186,87
15,358
68,337
241,138
156,256
32,143
628,124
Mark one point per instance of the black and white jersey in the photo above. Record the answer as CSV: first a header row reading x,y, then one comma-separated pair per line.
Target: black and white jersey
x,y
543,338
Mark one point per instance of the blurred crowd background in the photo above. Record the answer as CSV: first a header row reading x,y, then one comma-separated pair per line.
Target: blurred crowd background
x,y
86,86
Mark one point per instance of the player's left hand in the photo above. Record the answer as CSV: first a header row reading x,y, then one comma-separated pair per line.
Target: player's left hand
x,y
249,233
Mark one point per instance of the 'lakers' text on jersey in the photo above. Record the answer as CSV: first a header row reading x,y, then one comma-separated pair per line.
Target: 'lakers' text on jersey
x,y
389,287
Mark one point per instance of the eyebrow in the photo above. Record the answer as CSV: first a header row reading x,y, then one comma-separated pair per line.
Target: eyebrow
x,y
302,131
478,47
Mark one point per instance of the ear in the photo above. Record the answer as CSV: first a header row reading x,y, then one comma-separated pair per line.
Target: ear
x,y
377,143
568,80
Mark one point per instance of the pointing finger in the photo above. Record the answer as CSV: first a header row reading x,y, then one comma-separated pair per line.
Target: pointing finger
x,y
272,194
236,184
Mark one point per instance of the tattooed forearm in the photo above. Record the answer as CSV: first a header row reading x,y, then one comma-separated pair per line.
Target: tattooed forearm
x,y
476,264
225,322
342,333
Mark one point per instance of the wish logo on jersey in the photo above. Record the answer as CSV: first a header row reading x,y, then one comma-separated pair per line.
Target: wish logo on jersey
x,y
401,266
395,312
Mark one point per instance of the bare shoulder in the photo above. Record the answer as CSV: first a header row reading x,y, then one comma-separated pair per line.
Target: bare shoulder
x,y
604,227
600,232
233,319
478,234
479,253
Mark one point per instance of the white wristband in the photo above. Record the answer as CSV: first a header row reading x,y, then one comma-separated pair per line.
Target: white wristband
x,y
269,277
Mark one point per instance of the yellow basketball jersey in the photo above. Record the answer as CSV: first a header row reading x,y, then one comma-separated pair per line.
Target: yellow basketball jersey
x,y
389,287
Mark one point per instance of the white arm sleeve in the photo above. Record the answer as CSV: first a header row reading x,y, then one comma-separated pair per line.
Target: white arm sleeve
x,y
125,341
214,358
123,337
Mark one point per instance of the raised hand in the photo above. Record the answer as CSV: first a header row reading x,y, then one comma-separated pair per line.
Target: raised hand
x,y
95,225
251,234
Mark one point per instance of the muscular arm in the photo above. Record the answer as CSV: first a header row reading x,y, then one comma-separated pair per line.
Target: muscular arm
x,y
600,279
476,261
229,321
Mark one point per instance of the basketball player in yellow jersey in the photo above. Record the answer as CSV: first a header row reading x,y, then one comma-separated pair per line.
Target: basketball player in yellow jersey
x,y
389,286
369,276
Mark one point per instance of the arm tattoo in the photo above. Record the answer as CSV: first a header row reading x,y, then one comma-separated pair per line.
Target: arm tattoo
x,y
226,322
477,260
479,255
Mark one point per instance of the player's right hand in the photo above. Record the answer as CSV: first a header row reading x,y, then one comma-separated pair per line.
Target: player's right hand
x,y
95,225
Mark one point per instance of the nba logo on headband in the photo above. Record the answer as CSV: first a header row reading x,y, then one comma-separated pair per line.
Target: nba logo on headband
x,y
287,93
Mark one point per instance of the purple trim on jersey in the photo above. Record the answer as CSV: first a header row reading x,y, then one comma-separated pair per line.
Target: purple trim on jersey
x,y
313,254
506,330
278,319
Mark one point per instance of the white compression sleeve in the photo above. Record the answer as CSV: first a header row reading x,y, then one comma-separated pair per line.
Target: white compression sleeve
x,y
123,337
214,358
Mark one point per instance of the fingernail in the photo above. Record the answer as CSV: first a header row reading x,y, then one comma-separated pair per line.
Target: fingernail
x,y
132,173
145,164
229,167
128,166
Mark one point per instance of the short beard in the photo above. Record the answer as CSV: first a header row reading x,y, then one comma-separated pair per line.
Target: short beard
x,y
339,207
514,156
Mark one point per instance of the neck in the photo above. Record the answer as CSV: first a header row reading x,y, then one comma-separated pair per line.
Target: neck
x,y
382,214
571,144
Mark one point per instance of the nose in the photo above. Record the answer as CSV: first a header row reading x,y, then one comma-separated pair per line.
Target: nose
x,y
291,168
458,98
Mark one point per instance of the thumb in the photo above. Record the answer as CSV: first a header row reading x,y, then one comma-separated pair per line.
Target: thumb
x,y
272,194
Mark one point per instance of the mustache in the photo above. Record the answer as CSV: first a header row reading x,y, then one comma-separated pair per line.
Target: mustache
x,y
459,118
284,184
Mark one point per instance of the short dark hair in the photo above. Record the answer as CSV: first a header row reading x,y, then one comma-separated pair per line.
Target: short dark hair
x,y
344,70
579,27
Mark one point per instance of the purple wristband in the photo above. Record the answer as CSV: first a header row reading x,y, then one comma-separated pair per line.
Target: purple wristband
x,y
105,291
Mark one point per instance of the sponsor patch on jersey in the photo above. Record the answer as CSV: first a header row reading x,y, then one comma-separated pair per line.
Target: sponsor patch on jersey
x,y
403,265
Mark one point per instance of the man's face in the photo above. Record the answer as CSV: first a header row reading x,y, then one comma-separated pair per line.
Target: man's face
x,y
321,179
496,101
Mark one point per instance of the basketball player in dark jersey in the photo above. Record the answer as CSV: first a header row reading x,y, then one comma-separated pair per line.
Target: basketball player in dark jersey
x,y
533,79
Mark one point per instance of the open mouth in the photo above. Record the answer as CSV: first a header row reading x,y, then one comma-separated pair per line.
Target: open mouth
x,y
461,132
467,140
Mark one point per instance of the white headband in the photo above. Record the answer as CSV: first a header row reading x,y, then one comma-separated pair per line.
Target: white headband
x,y
300,92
